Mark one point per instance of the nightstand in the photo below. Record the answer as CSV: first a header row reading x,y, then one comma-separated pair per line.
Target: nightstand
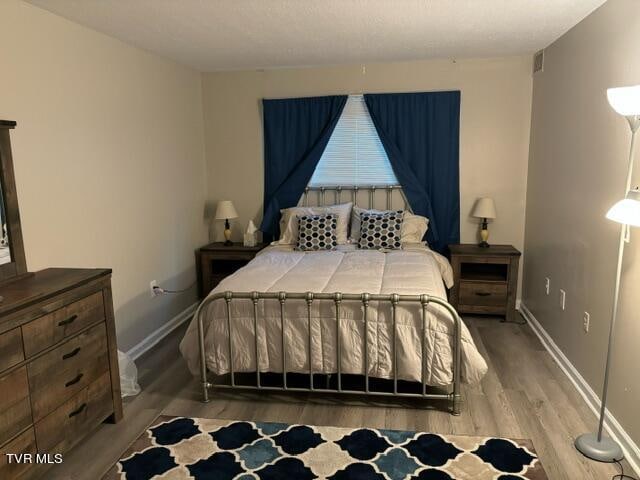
x,y
217,261
485,279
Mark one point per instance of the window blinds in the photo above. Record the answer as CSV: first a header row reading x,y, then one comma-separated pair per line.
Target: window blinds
x,y
354,153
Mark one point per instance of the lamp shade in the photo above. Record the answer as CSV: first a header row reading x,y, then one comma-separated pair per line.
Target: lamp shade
x,y
625,100
484,208
627,211
226,210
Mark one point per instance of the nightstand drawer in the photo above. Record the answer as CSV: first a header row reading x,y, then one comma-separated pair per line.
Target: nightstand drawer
x,y
485,294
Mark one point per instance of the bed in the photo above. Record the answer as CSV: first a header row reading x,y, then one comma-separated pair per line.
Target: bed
x,y
344,312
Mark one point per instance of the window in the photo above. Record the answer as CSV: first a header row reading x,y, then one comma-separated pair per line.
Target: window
x,y
354,153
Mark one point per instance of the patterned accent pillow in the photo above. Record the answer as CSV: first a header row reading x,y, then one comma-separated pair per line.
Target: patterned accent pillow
x,y
380,230
317,232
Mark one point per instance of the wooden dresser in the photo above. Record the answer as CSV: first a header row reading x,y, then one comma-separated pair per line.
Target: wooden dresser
x,y
58,363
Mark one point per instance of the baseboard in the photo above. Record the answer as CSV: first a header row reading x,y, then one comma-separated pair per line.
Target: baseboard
x,y
152,340
612,426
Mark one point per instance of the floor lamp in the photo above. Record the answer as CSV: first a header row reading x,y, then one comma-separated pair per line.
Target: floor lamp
x,y
625,101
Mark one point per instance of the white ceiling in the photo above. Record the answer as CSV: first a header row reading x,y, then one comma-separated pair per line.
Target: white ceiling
x,y
246,34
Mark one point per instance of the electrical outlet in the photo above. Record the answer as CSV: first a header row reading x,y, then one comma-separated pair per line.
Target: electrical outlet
x,y
586,318
547,285
152,289
563,298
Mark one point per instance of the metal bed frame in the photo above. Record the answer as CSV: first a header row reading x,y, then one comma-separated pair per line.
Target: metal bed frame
x,y
454,397
337,190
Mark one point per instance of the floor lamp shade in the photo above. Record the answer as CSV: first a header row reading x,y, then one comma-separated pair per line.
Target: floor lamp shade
x,y
625,100
627,211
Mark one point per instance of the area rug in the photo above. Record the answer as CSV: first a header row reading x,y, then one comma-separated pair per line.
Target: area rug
x,y
197,448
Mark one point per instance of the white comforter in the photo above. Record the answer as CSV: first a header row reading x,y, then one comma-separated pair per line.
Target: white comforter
x,y
406,272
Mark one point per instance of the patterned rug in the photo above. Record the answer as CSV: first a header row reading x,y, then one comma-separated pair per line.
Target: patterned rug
x,y
198,448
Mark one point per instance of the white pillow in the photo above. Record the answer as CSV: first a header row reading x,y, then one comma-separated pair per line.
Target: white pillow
x,y
413,226
289,221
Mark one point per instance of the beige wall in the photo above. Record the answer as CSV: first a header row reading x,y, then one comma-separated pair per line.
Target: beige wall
x,y
494,136
577,170
108,158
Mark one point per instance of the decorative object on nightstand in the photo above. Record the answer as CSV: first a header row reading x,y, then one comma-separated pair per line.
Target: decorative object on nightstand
x,y
485,209
226,211
485,280
250,235
217,260
625,101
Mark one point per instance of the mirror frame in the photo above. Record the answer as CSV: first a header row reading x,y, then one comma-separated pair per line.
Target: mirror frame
x,y
18,264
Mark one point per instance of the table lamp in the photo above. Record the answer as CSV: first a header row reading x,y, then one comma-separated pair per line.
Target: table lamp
x,y
225,211
485,209
625,101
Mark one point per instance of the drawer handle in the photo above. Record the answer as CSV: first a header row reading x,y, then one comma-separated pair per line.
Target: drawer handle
x,y
69,320
72,353
483,294
74,381
78,410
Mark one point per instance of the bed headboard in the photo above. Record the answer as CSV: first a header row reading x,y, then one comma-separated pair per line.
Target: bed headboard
x,y
380,197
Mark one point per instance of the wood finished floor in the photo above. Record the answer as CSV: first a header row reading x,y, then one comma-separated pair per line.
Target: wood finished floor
x,y
524,395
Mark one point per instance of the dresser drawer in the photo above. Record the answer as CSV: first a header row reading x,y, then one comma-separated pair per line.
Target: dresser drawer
x,y
63,427
60,374
25,443
11,352
15,410
483,294
56,326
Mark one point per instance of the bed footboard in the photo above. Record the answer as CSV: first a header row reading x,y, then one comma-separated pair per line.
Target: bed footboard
x,y
337,298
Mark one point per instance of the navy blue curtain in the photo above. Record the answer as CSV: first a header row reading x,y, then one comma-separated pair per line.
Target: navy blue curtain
x,y
296,132
420,133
